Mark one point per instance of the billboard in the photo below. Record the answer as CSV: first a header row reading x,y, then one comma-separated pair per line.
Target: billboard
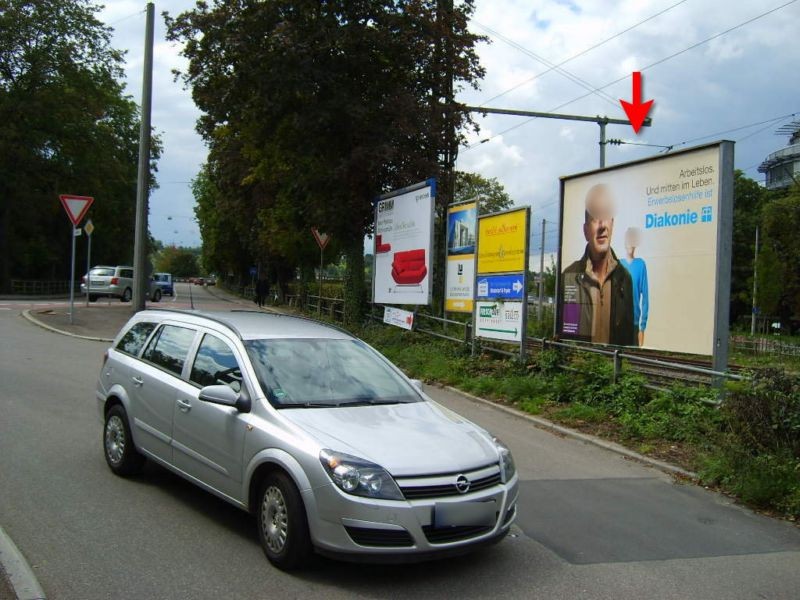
x,y
503,238
642,259
460,274
502,275
403,244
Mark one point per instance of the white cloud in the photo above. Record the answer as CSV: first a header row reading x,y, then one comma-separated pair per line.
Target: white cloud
x,y
742,77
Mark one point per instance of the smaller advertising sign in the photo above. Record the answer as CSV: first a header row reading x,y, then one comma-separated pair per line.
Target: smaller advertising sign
x,y
398,317
502,240
500,320
460,273
508,287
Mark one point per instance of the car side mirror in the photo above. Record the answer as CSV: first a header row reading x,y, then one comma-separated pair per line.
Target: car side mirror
x,y
224,395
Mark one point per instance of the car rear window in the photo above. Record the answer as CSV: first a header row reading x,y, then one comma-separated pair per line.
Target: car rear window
x,y
133,340
101,272
169,347
126,273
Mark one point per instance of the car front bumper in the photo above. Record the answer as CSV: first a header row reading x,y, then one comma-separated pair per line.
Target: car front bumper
x,y
357,528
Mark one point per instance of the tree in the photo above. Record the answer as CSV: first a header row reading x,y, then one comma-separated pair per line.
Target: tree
x,y
749,199
781,224
313,109
181,262
490,192
66,126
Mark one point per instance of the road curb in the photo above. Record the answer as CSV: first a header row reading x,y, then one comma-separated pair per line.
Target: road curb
x,y
541,423
27,314
18,571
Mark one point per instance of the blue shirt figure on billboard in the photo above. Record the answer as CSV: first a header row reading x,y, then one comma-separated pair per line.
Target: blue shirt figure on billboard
x,y
598,294
638,270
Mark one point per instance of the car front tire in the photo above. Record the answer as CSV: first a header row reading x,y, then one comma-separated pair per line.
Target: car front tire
x,y
282,523
121,455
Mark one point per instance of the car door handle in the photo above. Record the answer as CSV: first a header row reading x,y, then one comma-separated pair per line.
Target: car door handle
x,y
137,381
185,405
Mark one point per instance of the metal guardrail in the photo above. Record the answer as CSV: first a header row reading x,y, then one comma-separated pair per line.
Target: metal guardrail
x,y
24,287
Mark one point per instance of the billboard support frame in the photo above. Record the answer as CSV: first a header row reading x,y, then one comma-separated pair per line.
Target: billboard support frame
x,y
722,294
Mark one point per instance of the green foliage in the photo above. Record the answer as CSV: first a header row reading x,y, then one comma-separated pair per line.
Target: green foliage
x,y
310,110
66,126
581,413
781,222
181,262
749,198
491,194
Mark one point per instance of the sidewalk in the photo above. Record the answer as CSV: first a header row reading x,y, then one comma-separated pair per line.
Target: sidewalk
x,y
100,322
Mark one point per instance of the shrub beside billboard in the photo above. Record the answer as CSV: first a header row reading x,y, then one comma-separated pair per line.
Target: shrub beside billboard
x,y
460,274
639,261
403,242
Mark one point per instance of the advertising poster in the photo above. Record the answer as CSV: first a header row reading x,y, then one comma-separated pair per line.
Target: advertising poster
x,y
403,243
502,242
638,256
398,317
498,320
462,222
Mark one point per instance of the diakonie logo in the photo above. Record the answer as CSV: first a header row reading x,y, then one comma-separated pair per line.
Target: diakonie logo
x,y
688,217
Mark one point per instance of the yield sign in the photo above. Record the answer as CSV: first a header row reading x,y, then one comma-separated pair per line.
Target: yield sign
x,y
76,206
322,238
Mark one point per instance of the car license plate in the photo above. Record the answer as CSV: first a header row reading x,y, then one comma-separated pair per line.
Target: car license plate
x,y
458,514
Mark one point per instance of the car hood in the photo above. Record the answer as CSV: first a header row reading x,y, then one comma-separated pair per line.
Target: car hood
x,y
405,439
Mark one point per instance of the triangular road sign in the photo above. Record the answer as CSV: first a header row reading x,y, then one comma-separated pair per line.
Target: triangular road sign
x,y
76,206
322,238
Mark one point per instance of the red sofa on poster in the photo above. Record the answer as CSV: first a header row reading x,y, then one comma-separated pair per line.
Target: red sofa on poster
x,y
408,268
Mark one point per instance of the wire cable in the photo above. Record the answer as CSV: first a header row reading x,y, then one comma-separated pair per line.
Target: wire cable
x,y
651,65
583,52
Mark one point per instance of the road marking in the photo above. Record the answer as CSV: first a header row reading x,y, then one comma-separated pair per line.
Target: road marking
x,y
1,308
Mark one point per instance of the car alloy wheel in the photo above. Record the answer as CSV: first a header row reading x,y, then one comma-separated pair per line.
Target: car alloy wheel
x,y
274,519
115,439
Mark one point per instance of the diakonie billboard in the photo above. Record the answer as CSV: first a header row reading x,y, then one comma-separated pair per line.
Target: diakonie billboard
x,y
639,256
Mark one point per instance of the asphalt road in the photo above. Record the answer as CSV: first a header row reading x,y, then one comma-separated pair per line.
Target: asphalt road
x,y
591,525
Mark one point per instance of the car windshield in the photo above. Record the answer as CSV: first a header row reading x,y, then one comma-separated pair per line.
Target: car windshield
x,y
320,373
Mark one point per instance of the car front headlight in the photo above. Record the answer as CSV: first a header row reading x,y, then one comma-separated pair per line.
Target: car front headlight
x,y
507,466
359,477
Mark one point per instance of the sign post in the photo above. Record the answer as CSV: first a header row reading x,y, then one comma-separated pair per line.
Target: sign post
x,y
322,241
88,228
76,208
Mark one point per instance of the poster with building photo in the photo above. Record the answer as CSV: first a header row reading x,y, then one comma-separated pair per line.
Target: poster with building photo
x,y
403,243
460,275
639,252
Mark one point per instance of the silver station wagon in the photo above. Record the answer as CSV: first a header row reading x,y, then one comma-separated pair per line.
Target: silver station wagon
x,y
328,444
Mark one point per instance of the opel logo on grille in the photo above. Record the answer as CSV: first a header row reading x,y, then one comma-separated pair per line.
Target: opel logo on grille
x,y
462,484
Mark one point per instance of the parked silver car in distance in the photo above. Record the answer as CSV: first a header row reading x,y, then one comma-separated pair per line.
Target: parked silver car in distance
x,y
328,444
116,282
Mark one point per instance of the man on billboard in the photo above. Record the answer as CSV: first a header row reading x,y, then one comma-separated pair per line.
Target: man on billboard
x,y
598,291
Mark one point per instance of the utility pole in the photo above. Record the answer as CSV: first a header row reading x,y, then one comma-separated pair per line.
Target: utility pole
x,y
140,273
541,276
755,289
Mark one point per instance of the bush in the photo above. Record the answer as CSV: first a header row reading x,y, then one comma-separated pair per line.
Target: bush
x,y
758,456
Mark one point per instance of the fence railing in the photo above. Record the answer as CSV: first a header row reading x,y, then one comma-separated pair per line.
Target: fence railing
x,y
764,346
24,287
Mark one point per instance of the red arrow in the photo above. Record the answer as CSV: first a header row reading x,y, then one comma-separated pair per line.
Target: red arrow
x,y
636,111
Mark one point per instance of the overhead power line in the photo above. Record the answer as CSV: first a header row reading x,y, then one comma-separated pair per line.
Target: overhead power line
x,y
583,52
651,65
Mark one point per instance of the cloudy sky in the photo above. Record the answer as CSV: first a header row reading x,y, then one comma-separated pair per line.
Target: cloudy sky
x,y
740,85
